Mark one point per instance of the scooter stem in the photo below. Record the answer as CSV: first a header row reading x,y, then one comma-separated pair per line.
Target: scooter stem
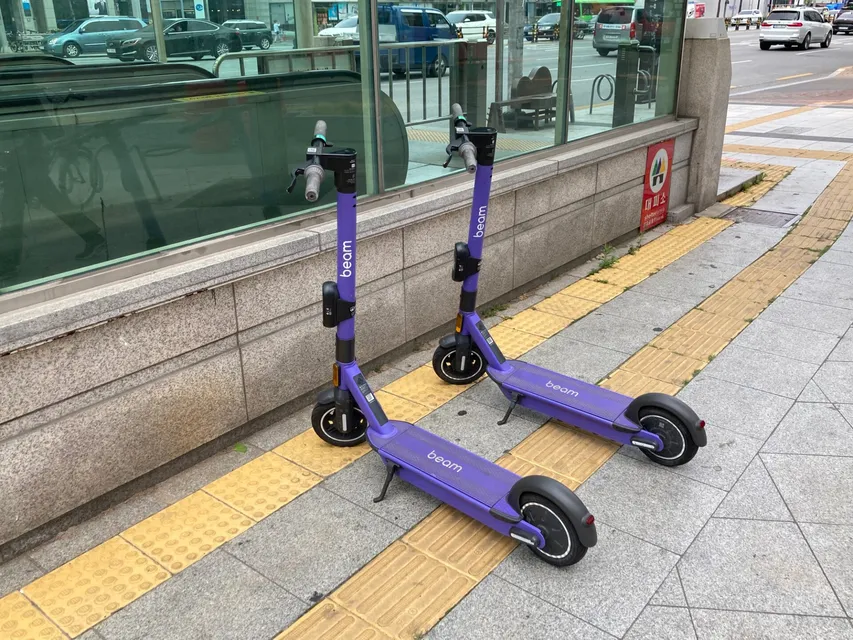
x,y
477,226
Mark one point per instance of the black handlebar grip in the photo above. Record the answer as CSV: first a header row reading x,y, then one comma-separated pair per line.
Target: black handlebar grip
x,y
456,111
314,175
320,129
469,156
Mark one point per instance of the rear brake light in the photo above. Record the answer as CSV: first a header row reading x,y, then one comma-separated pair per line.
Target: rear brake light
x,y
633,34
765,24
795,24
589,520
701,424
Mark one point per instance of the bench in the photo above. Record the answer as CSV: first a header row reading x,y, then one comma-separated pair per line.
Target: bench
x,y
532,100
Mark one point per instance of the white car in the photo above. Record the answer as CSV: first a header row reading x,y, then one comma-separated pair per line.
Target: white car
x,y
346,27
791,26
474,24
748,16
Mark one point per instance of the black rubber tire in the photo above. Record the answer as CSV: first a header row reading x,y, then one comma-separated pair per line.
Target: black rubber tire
x,y
322,419
265,43
827,41
788,45
679,447
491,37
603,52
71,50
765,46
438,68
807,42
399,75
197,56
442,364
562,545
149,52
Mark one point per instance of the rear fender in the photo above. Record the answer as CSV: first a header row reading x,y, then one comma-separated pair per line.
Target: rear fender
x,y
561,496
676,407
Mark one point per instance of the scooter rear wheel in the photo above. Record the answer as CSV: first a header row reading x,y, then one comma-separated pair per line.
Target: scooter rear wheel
x,y
562,545
443,363
323,421
678,446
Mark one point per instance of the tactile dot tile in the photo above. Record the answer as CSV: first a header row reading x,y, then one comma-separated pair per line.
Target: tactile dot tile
x,y
759,292
512,343
307,450
687,342
330,621
460,542
397,408
93,586
664,365
567,307
788,259
425,388
631,383
185,532
403,592
712,323
732,307
537,323
588,289
526,468
20,620
804,242
564,450
771,279
262,486
619,277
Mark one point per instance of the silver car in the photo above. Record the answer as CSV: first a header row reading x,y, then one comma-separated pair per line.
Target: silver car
x,y
791,26
617,25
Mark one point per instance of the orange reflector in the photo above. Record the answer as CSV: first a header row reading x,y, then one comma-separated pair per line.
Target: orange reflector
x,y
458,323
336,375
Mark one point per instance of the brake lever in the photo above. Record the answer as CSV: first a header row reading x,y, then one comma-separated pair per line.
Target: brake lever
x,y
299,171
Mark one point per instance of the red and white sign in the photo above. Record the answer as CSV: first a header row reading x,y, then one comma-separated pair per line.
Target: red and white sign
x,y
656,184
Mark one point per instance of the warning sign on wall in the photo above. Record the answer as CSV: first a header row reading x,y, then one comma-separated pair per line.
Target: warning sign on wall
x,y
656,184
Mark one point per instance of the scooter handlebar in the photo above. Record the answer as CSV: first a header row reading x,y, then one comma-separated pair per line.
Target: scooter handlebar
x,y
314,175
320,129
469,156
456,111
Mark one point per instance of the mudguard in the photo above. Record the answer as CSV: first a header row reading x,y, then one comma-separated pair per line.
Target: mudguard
x,y
327,396
448,342
561,496
676,407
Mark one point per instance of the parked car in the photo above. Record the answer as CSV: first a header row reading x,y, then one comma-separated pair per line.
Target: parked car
x,y
843,23
548,27
794,26
346,28
89,35
474,24
191,38
253,33
616,25
748,16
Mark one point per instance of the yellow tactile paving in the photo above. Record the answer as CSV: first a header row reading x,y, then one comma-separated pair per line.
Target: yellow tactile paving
x,y
330,621
537,323
620,277
185,532
712,323
263,485
770,279
425,388
816,231
687,342
460,542
526,468
564,450
636,384
514,344
567,307
768,118
697,231
307,450
81,593
813,154
589,289
731,307
787,259
403,592
664,365
397,408
21,620
804,242
757,292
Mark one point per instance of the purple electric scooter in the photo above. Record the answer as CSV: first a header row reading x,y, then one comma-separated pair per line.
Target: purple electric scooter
x,y
661,426
535,510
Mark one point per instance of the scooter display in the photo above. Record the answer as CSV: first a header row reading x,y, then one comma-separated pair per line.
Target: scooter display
x,y
535,510
661,426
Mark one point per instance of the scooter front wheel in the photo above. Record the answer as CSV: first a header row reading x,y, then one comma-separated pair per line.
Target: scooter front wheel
x,y
323,421
678,446
444,365
562,545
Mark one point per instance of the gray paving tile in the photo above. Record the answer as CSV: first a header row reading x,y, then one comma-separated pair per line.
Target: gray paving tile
x,y
655,312
670,593
719,463
611,332
844,351
575,359
360,482
557,284
417,358
731,625
636,498
383,376
808,315
810,290
516,306
813,486
674,287
17,573
701,267
91,634
831,545
751,565
830,272
282,431
662,623
498,609
812,393
89,534
837,256
487,392
812,428
314,543
725,253
835,379
759,370
747,411
798,343
217,597
608,589
754,497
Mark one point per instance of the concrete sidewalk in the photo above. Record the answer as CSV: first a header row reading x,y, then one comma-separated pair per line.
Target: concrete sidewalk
x,y
750,323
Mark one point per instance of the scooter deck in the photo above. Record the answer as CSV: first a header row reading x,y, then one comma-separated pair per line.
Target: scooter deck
x,y
468,473
530,380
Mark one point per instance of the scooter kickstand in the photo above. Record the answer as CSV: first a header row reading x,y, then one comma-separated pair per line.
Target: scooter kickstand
x,y
390,470
515,399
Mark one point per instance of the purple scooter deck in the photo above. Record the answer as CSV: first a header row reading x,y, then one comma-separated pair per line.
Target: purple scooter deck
x,y
527,379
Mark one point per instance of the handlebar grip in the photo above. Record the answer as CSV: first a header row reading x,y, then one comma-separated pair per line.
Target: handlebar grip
x,y
469,156
456,111
320,129
313,179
